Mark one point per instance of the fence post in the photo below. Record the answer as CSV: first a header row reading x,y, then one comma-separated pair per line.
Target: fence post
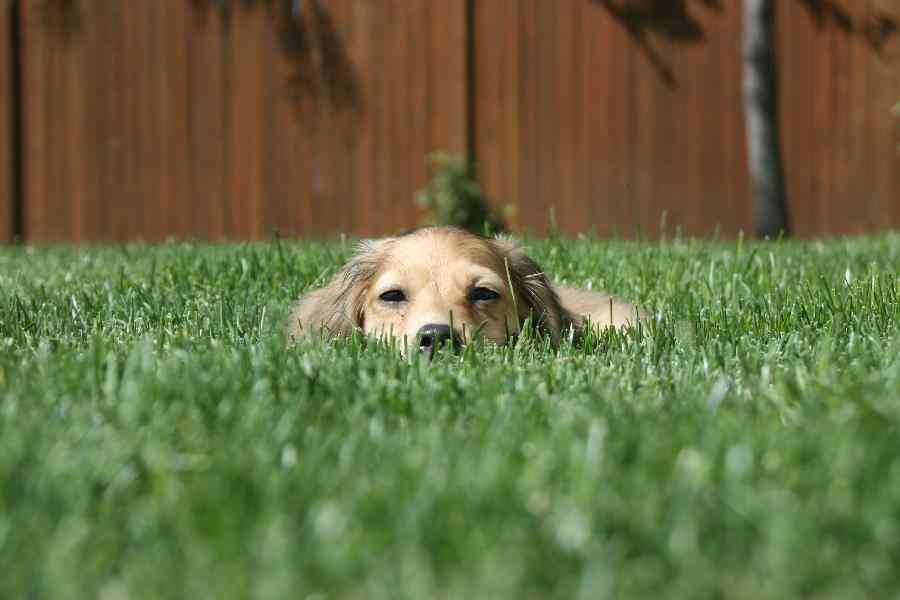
x,y
10,225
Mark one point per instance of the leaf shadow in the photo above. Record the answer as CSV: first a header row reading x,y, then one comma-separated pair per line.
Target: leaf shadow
x,y
321,72
877,28
669,18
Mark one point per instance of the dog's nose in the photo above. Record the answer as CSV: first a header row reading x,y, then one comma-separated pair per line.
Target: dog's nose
x,y
433,336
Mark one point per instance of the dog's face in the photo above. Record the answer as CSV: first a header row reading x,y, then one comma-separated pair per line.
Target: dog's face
x,y
428,281
433,285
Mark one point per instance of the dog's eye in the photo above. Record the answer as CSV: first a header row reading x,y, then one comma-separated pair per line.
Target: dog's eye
x,y
482,294
393,296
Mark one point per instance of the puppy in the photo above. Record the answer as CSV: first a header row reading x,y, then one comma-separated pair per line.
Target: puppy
x,y
436,285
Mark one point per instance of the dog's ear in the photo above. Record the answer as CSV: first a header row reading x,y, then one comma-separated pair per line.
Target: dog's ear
x,y
533,293
337,309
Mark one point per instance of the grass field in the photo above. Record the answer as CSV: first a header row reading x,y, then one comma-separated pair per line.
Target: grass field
x,y
159,439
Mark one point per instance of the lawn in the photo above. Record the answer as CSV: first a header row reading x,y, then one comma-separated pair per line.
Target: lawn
x,y
159,439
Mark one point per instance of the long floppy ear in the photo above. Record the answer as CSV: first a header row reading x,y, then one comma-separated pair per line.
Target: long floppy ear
x,y
337,308
534,296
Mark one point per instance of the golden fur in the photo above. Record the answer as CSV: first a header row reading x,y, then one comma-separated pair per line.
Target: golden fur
x,y
435,270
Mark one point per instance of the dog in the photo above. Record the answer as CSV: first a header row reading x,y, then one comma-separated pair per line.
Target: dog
x,y
435,286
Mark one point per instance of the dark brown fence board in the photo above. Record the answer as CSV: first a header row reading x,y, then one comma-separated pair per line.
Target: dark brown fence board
x,y
207,78
359,46
643,117
823,109
416,116
489,96
702,193
400,109
596,73
343,193
569,193
7,126
546,119
857,131
497,80
842,139
448,74
530,206
610,164
36,176
794,47
246,121
884,143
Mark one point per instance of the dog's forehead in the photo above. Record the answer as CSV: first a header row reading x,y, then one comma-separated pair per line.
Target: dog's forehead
x,y
441,250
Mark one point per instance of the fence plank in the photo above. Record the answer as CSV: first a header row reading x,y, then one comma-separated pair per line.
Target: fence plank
x,y
531,208
546,119
155,119
36,213
448,75
883,87
569,163
734,199
497,129
7,126
610,120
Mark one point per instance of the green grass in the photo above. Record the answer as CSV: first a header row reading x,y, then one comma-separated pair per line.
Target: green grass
x,y
158,439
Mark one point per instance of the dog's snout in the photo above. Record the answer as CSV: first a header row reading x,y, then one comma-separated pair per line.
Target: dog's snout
x,y
434,336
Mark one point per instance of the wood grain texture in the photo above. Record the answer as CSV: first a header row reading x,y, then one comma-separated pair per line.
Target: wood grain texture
x,y
7,127
883,91
157,119
161,119
618,122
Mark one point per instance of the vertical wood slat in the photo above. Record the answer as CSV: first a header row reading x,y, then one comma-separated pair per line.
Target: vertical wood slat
x,y
842,139
35,213
610,163
795,82
207,119
883,91
397,128
416,114
247,144
360,49
448,75
116,209
497,130
702,192
378,154
546,118
7,126
530,206
571,190
337,175
823,114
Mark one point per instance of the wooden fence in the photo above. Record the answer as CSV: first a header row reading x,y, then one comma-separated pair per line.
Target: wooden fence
x,y
8,193
156,118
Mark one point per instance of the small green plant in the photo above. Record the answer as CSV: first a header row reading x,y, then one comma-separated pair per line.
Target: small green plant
x,y
454,197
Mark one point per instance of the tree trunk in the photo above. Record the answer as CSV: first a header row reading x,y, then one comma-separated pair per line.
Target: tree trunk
x,y
761,116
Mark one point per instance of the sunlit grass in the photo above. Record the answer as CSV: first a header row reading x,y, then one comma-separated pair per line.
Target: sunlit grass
x,y
158,437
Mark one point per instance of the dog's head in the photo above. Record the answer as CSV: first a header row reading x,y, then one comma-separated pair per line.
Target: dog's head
x,y
431,286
